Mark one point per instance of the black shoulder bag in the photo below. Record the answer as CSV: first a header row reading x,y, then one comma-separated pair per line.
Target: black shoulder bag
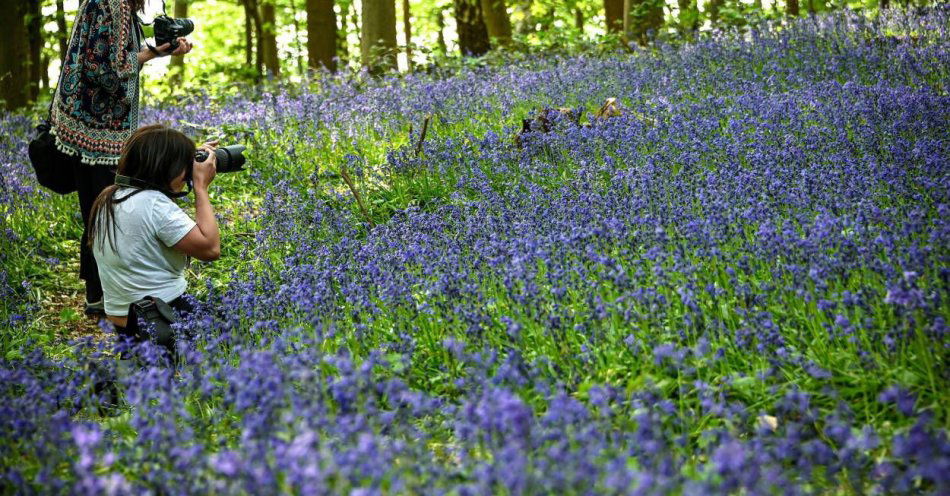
x,y
158,316
54,169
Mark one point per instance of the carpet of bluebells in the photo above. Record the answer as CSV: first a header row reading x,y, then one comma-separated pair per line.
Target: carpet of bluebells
x,y
739,284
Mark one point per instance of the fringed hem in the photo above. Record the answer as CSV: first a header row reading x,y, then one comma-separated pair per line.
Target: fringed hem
x,y
85,158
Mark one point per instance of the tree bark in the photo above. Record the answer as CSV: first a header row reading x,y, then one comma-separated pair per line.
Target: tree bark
x,y
528,23
176,65
62,35
440,40
248,34
342,47
407,29
791,7
495,13
613,14
301,65
34,27
321,35
689,15
641,17
473,35
253,12
713,9
271,57
378,43
14,73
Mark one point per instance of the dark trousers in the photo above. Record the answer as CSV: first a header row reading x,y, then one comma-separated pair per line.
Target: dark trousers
x,y
90,181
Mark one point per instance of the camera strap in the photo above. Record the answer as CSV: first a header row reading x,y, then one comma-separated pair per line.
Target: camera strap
x,y
131,182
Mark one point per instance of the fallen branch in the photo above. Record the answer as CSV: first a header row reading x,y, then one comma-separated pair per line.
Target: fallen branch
x,y
422,135
356,194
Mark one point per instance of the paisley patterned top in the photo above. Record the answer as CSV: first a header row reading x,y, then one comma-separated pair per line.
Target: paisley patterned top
x,y
95,108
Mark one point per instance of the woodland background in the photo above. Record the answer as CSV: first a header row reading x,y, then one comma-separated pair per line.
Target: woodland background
x,y
241,43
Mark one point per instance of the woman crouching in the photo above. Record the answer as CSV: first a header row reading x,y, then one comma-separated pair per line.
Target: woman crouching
x,y
141,238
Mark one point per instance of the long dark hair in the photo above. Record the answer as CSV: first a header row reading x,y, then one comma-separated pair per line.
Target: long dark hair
x,y
153,155
137,5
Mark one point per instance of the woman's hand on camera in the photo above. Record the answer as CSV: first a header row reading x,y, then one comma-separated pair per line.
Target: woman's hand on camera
x,y
203,172
184,46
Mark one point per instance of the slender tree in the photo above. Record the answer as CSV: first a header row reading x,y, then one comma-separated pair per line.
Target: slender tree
x,y
713,8
62,36
15,55
176,66
791,7
342,46
440,40
321,35
378,42
407,30
34,28
689,15
495,13
613,14
252,12
298,45
248,34
641,17
579,19
473,35
528,23
269,40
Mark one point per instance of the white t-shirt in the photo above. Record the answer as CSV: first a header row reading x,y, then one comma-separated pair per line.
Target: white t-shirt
x,y
143,263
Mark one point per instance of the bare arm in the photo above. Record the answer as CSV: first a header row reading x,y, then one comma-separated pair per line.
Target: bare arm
x,y
203,241
184,46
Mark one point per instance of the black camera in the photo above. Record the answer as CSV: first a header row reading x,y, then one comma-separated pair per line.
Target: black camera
x,y
169,29
230,158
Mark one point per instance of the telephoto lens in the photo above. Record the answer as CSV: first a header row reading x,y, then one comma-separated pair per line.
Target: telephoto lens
x,y
230,158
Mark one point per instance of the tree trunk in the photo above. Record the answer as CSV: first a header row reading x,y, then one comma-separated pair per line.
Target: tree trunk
x,y
528,23
248,34
641,17
321,35
253,12
14,73
689,15
884,4
301,65
440,40
176,66
791,7
579,19
713,9
62,35
378,44
34,27
342,48
473,35
44,72
613,14
271,57
407,29
495,13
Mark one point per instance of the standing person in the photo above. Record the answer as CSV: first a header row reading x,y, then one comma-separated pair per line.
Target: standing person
x,y
96,106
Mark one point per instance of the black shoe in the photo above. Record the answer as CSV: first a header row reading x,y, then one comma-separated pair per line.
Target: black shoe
x,y
95,309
